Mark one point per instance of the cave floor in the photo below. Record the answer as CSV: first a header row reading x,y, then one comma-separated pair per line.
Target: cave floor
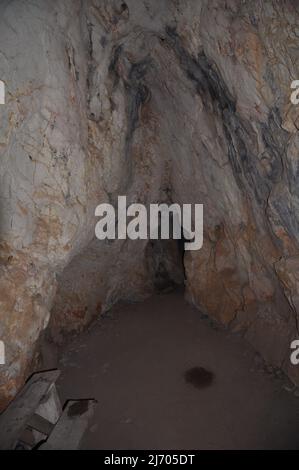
x,y
136,362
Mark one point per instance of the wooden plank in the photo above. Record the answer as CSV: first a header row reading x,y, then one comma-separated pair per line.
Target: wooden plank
x,y
50,409
14,419
40,424
26,441
69,431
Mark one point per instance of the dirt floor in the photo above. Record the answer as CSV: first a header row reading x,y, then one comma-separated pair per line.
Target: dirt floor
x,y
166,378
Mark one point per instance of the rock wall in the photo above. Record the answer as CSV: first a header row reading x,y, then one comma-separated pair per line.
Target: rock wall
x,y
173,101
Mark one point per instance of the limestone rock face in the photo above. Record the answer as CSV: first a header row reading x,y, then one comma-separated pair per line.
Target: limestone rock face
x,y
174,101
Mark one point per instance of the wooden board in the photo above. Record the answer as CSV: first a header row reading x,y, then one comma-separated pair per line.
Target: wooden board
x,y
40,424
14,419
68,432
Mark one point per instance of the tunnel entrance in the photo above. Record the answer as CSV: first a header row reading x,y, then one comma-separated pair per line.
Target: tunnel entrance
x,y
165,259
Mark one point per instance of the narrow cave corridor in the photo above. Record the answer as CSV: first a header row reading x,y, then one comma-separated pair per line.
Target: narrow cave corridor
x,y
110,109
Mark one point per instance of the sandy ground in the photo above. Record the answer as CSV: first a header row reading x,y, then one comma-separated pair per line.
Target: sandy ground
x,y
165,378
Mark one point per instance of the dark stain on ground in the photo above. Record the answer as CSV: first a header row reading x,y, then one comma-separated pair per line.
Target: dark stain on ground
x,y
78,408
199,377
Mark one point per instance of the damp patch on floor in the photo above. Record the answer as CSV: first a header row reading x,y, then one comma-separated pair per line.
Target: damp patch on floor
x,y
199,377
